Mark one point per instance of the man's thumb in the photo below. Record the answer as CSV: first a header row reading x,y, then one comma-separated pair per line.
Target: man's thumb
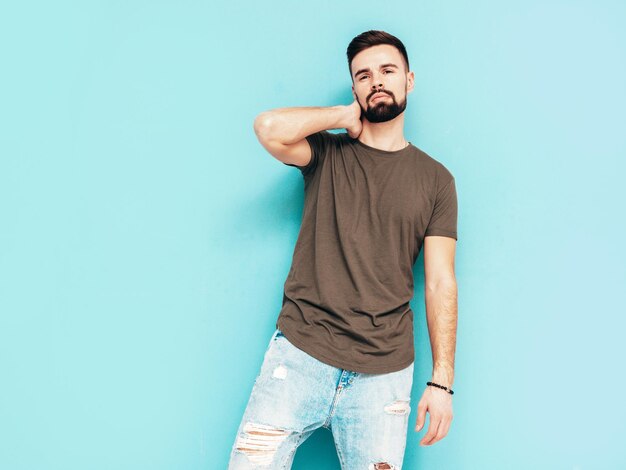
x,y
421,417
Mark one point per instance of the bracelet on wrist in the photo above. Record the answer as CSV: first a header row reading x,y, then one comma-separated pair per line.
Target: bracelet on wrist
x,y
449,390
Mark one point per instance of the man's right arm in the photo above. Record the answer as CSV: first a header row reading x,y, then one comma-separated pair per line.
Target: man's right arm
x,y
283,131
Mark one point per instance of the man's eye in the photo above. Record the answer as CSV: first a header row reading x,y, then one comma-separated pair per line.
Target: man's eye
x,y
389,71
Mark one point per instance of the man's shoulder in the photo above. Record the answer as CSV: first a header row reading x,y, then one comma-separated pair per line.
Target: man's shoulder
x,y
433,165
324,138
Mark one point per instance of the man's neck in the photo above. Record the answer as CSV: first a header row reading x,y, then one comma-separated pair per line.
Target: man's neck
x,y
388,136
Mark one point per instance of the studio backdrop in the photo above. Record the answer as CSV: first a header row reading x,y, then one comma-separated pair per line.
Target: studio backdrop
x,y
145,234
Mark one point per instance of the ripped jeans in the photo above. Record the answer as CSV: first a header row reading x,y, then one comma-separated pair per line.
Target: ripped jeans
x,y
294,394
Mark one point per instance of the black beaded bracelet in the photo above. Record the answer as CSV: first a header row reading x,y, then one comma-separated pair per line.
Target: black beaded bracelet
x,y
449,390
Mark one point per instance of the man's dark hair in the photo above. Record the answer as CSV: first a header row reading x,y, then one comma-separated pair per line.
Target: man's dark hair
x,y
374,38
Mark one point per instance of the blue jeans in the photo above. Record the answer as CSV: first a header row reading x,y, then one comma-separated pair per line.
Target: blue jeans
x,y
294,394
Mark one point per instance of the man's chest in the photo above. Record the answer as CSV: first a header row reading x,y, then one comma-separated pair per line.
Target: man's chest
x,y
377,196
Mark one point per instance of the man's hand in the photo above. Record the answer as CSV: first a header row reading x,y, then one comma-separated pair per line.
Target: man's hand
x,y
354,126
438,403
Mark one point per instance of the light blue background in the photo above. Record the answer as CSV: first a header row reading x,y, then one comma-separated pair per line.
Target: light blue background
x,y
146,235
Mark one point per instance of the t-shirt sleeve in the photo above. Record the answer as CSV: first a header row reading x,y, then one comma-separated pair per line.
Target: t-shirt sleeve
x,y
318,142
444,217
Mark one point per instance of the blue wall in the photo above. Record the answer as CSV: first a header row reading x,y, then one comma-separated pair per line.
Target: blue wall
x,y
146,235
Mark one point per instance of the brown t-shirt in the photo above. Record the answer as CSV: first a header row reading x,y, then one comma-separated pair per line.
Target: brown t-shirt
x,y
366,213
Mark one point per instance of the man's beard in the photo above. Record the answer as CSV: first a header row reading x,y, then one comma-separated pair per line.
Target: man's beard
x,y
381,111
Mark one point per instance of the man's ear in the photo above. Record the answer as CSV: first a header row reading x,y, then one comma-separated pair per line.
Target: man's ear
x,y
410,77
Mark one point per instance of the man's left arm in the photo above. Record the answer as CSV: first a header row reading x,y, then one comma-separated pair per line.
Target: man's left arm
x,y
441,314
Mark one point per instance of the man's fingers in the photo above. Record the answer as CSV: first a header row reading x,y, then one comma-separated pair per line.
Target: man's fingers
x,y
432,431
444,427
442,431
421,416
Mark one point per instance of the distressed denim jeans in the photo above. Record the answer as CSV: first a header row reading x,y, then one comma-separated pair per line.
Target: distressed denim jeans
x,y
294,394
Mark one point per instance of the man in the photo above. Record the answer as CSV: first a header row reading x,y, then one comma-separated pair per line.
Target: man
x,y
342,354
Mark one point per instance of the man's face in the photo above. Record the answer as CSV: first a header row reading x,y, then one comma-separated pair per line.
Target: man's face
x,y
380,82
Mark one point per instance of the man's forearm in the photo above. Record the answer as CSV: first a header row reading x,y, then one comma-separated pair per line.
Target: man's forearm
x,y
441,314
289,125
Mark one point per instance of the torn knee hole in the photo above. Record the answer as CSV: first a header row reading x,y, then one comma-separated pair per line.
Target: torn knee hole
x,y
382,466
398,407
259,442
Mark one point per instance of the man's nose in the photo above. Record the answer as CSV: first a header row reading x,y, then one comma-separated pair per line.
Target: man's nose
x,y
375,86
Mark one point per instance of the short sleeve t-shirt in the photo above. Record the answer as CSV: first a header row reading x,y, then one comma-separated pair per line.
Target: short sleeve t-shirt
x,y
366,213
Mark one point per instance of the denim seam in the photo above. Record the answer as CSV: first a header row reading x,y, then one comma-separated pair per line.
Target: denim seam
x,y
342,462
293,451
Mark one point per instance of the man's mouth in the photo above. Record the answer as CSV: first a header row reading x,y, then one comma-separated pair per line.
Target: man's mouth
x,y
379,95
